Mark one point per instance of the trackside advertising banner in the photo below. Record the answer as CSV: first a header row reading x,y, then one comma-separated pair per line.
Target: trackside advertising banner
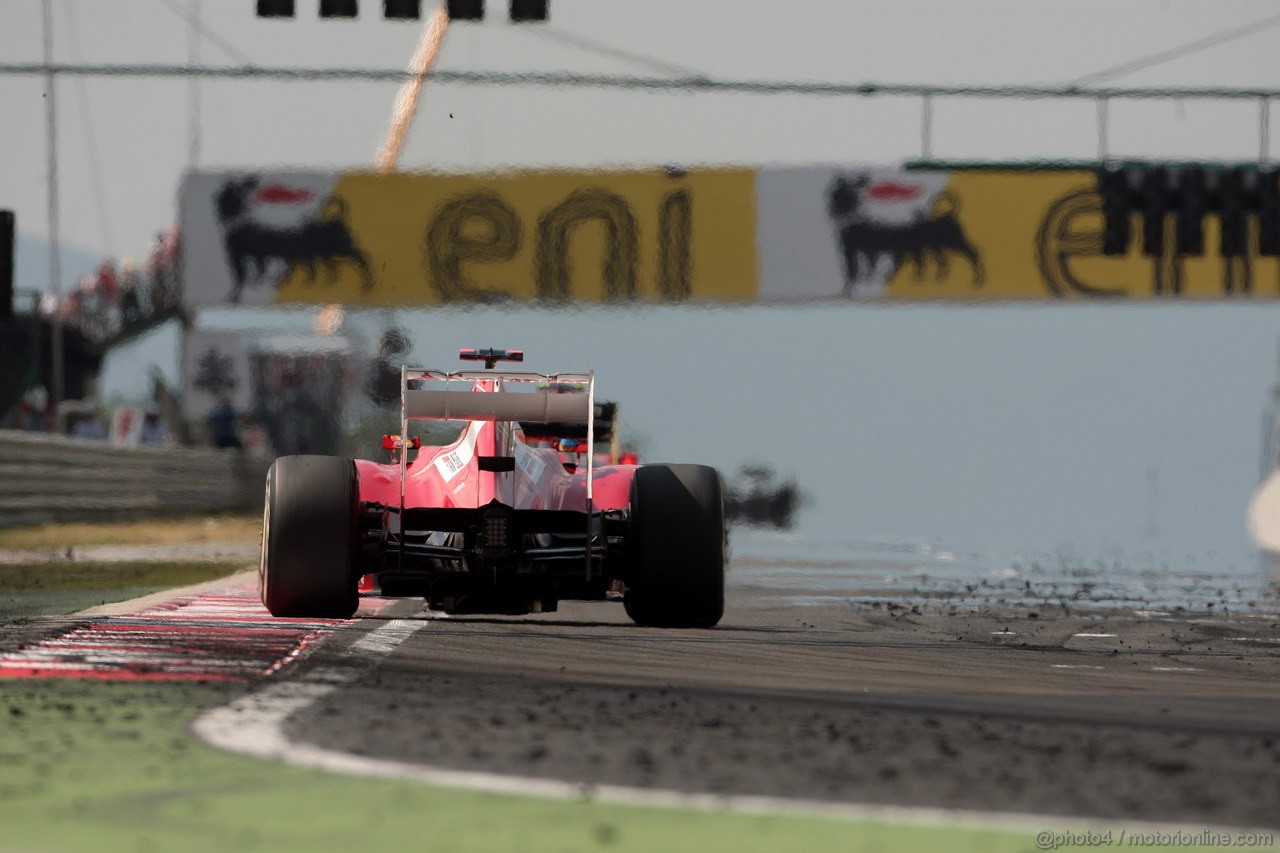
x,y
415,239
710,235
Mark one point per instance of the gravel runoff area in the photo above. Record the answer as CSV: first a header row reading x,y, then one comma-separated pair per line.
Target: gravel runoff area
x,y
1122,715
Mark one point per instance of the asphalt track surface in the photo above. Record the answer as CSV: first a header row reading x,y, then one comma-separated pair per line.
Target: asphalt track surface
x,y
1134,716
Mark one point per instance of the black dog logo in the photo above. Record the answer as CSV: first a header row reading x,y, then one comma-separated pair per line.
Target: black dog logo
x,y
251,246
864,242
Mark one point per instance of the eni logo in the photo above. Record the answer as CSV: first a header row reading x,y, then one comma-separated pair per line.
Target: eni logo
x,y
482,228
1072,228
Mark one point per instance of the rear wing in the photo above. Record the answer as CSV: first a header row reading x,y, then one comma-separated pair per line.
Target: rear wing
x,y
605,425
544,398
457,399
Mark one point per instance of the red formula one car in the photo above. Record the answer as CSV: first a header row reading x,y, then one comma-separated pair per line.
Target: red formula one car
x,y
515,515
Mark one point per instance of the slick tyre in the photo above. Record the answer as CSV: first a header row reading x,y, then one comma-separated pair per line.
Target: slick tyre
x,y
310,538
678,541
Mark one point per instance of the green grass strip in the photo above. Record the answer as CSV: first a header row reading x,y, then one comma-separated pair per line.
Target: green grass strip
x,y
109,766
51,589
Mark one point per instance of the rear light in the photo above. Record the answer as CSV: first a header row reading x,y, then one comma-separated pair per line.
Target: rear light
x,y
496,528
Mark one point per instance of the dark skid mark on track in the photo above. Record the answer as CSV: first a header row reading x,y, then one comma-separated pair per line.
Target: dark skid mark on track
x,y
840,704
706,741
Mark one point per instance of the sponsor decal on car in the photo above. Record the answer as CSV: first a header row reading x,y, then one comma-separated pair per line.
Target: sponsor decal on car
x,y
455,461
531,464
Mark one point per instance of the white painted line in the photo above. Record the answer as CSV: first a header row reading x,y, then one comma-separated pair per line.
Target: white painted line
x,y
1004,633
383,641
1074,666
1093,636
253,725
50,664
1176,669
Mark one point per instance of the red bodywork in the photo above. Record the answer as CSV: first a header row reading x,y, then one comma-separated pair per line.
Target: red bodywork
x,y
450,476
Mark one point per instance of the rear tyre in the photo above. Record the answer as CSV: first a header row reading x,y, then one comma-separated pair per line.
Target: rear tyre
x,y
677,542
310,538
